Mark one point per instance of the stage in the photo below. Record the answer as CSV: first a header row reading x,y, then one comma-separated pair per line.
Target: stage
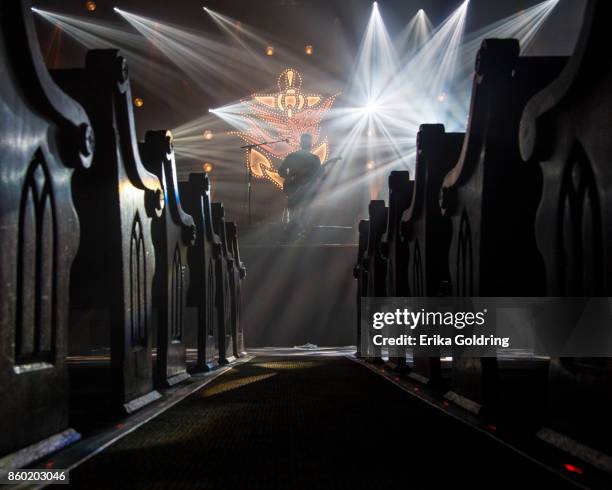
x,y
281,275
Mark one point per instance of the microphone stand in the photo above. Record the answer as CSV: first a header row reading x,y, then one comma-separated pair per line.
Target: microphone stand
x,y
249,173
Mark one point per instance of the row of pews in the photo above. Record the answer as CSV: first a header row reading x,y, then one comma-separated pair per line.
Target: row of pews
x,y
518,205
112,270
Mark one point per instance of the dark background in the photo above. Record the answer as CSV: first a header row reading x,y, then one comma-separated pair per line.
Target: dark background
x,y
333,27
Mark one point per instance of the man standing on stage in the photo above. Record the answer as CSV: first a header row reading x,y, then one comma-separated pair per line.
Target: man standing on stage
x,y
299,169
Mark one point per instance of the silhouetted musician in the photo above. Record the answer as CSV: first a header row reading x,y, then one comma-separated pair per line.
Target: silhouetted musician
x,y
299,169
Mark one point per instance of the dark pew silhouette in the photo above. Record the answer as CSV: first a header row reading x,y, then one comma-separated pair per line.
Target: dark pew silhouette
x,y
45,136
360,273
117,200
172,235
237,274
223,295
493,247
427,232
375,264
202,259
393,250
566,131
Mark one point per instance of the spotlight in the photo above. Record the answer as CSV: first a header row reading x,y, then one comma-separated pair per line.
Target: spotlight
x,y
138,102
371,107
308,49
421,12
269,51
205,8
116,9
441,97
90,6
370,164
207,135
208,167
33,9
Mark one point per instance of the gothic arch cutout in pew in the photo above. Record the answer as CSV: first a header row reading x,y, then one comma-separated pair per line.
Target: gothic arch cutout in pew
x,y
117,200
45,136
202,259
493,249
172,235
566,131
427,233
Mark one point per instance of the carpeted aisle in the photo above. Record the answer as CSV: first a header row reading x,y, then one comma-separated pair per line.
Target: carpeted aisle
x,y
306,423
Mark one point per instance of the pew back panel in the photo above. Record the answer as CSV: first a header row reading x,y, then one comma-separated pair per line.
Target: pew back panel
x,y
236,277
566,131
116,200
172,235
493,249
223,298
202,258
427,232
360,274
45,135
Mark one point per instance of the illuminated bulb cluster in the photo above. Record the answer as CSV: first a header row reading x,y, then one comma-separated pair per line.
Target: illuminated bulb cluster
x,y
308,49
208,167
270,51
286,114
90,6
207,135
138,102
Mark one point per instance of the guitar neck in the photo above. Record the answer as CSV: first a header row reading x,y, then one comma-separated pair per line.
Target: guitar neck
x,y
332,160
